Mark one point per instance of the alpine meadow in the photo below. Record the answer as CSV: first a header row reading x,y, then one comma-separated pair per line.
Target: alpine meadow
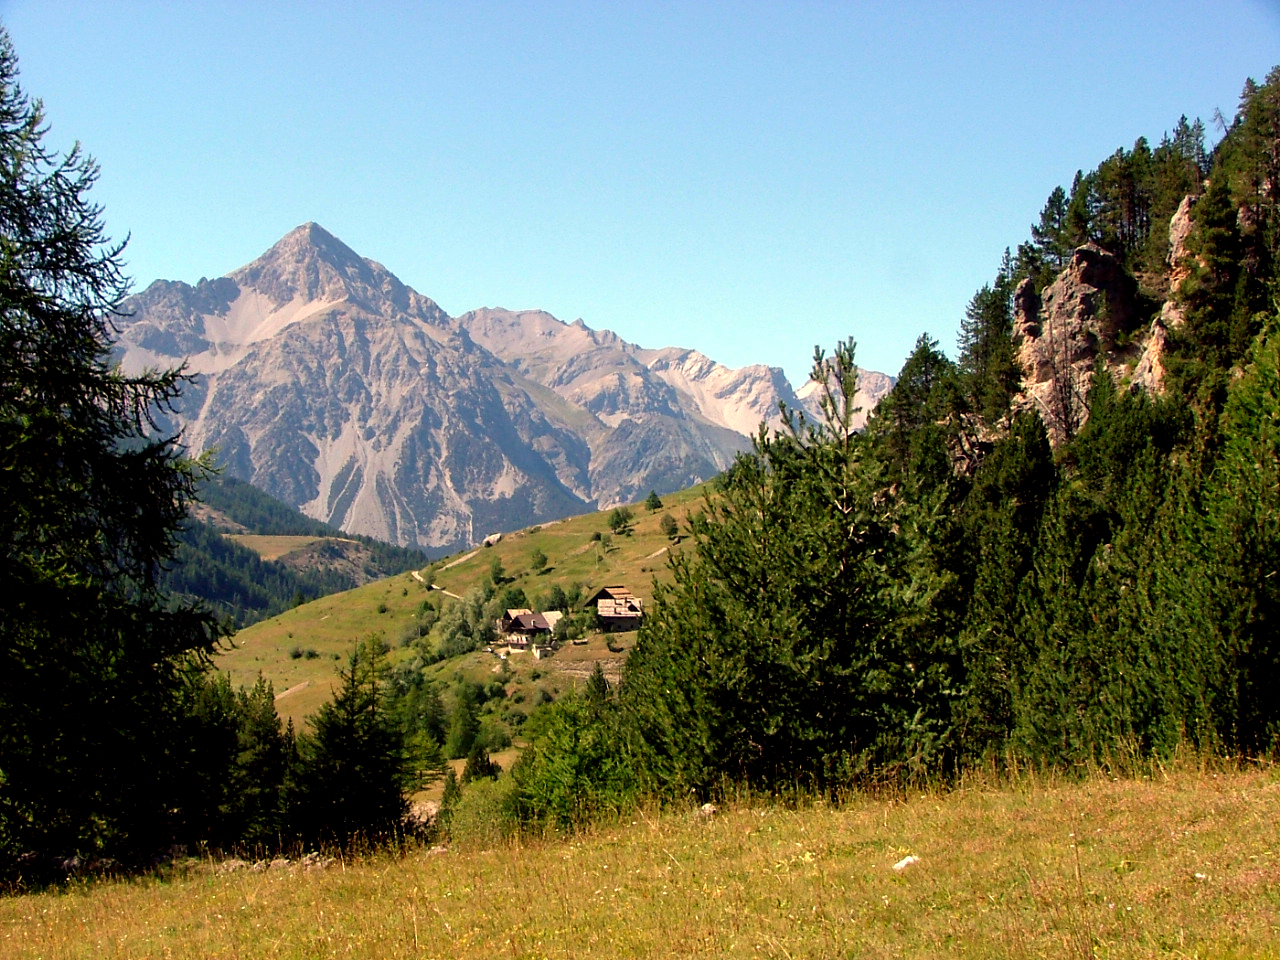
x,y
1035,589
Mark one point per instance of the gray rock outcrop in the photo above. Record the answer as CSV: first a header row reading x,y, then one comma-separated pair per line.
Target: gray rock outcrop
x,y
1088,312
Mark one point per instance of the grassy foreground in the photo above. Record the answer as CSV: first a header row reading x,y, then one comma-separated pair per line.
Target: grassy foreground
x,y
1183,864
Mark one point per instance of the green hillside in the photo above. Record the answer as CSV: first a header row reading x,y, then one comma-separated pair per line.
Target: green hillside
x,y
248,556
301,649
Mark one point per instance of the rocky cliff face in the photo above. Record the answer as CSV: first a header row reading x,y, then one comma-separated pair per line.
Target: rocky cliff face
x,y
331,385
1149,373
872,387
1090,310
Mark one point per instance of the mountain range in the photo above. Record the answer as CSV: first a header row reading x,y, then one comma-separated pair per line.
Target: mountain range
x,y
322,379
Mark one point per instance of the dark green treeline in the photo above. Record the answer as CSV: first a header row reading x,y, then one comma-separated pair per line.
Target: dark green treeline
x,y
946,589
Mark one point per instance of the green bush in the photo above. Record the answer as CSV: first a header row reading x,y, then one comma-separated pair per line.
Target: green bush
x,y
574,770
484,816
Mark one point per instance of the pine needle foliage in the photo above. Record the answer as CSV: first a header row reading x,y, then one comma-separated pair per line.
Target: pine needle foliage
x,y
776,656
93,660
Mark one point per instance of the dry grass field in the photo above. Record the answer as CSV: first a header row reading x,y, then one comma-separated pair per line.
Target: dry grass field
x,y
271,547
1180,863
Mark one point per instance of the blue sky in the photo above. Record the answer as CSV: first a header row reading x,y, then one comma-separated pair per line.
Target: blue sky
x,y
747,179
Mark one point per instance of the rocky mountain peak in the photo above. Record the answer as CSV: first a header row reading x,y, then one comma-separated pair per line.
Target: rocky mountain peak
x,y
310,265
331,385
307,264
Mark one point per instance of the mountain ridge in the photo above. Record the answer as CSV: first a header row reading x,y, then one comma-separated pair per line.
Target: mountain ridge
x,y
330,384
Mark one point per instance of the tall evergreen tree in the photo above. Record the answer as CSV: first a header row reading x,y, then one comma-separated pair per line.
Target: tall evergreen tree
x,y
908,424
1095,679
354,771
264,766
1081,211
1236,592
1049,234
987,367
799,642
1001,517
91,655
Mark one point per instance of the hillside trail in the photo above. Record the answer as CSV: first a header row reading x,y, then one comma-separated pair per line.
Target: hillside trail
x,y
294,689
462,559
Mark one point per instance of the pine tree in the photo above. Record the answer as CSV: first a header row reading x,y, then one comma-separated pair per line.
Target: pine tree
x,y
1078,228
799,642
1098,676
464,724
1049,234
264,764
1239,599
92,657
479,766
1001,516
1218,327
354,770
988,369
597,687
906,424
576,768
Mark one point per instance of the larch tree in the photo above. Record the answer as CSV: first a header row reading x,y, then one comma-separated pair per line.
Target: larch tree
x,y
92,657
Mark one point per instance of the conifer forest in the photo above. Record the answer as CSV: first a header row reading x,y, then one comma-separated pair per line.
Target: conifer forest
x,y
1056,544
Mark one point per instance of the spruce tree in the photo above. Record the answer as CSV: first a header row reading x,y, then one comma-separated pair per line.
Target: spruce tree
x,y
801,642
1001,517
987,367
354,771
1050,233
577,766
1239,598
264,765
479,766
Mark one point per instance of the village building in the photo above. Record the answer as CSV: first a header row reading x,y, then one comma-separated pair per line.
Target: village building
x,y
617,608
520,628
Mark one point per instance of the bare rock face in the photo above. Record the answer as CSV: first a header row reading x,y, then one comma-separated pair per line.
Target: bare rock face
x,y
1150,371
1179,229
1090,310
872,388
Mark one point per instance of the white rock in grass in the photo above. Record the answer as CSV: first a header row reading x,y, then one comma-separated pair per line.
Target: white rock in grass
x,y
904,863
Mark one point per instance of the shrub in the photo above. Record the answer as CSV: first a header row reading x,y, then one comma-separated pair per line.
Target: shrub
x,y
574,770
620,521
668,526
484,815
